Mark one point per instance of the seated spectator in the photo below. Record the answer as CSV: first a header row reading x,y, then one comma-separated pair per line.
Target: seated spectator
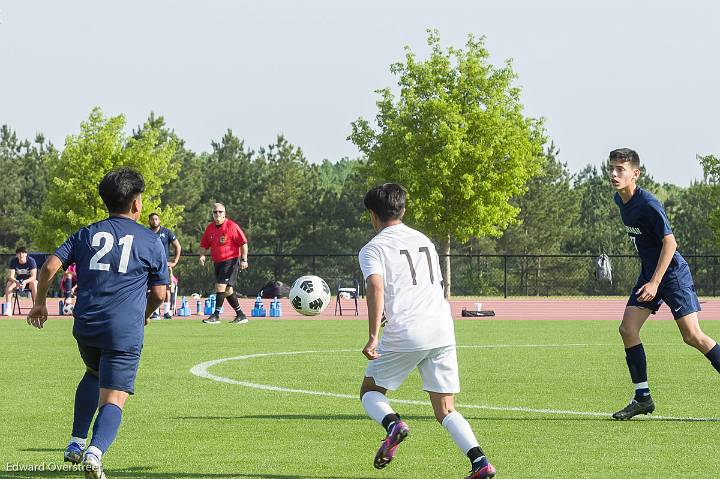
x,y
22,275
68,284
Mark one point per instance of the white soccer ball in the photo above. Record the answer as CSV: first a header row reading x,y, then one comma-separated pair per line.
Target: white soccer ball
x,y
68,308
310,295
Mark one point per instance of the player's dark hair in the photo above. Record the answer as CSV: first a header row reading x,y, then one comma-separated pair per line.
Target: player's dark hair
x,y
626,155
386,201
20,249
153,214
119,188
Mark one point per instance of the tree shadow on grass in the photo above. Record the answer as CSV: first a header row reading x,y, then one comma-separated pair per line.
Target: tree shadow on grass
x,y
360,417
147,473
299,417
607,418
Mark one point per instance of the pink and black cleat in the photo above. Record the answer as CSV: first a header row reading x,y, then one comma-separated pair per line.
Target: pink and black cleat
x,y
482,472
388,447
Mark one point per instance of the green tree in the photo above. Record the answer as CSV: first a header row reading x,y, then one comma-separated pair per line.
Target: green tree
x,y
233,178
548,212
341,226
73,200
285,204
24,186
711,169
186,190
689,218
457,139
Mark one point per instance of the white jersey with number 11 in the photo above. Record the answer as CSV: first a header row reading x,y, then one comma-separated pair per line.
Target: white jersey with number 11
x,y
418,317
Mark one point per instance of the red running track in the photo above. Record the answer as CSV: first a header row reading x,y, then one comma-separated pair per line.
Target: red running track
x,y
505,309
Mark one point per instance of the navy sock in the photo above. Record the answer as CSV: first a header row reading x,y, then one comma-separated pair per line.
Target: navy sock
x,y
637,364
106,426
714,356
219,299
477,458
389,420
67,283
86,401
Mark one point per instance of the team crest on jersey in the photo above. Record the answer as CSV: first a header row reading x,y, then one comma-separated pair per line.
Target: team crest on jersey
x,y
222,239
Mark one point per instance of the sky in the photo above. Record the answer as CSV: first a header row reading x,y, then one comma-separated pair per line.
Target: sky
x,y
603,75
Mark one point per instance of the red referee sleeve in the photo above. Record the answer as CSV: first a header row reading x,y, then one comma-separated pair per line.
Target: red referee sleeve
x,y
240,238
204,243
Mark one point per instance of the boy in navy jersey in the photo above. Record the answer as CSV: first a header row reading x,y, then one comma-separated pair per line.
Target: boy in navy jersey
x,y
167,238
117,261
22,273
664,277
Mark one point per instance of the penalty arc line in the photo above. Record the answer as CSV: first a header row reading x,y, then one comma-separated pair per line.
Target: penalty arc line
x,y
201,370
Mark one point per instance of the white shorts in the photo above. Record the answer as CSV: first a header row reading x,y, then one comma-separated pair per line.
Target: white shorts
x,y
438,369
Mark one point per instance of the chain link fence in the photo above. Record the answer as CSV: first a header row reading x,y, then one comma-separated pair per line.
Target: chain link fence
x,y
562,275
472,274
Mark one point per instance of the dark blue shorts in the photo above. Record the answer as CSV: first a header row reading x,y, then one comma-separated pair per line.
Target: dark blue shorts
x,y
682,300
116,369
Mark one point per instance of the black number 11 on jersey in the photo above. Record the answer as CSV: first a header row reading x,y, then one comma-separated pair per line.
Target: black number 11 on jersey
x,y
413,273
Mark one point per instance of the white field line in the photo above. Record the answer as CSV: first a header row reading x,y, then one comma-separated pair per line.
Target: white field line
x,y
201,370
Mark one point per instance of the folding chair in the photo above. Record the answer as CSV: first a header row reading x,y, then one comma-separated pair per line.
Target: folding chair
x,y
353,291
16,300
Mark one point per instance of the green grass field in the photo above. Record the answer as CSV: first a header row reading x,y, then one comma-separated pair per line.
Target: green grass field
x,y
179,425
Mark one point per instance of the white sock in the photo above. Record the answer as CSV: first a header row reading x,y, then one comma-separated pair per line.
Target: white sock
x,y
94,450
167,307
460,431
80,441
376,405
8,308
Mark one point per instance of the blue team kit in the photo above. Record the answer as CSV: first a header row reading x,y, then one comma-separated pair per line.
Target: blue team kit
x,y
117,261
166,237
647,224
22,270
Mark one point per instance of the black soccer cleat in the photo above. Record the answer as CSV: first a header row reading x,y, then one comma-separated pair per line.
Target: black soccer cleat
x,y
212,319
240,318
634,408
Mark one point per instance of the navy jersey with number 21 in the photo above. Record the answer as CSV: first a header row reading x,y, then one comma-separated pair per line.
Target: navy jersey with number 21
x,y
117,260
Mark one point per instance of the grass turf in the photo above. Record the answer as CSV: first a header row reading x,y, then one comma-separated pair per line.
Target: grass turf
x,y
182,426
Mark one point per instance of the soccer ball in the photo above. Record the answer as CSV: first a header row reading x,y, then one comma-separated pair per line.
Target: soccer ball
x,y
68,308
310,295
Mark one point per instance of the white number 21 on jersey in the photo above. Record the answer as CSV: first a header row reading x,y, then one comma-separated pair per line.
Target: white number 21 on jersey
x,y
108,241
